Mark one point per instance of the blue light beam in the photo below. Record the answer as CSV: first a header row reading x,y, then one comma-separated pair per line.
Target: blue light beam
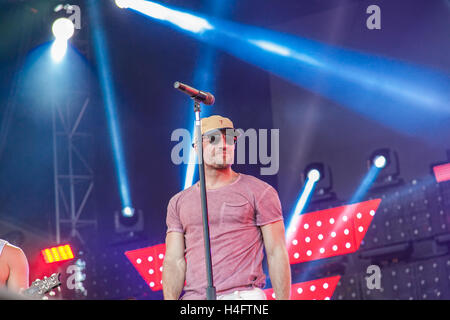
x,y
190,170
107,88
183,20
406,97
366,183
302,201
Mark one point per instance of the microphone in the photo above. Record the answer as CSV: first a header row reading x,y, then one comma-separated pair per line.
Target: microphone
x,y
205,97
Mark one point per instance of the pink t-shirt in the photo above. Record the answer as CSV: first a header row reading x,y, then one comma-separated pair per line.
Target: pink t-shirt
x,y
235,213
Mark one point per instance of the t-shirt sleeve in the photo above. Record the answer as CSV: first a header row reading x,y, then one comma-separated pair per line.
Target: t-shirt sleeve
x,y
268,207
173,218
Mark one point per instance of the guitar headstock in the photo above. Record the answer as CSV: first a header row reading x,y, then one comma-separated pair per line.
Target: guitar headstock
x,y
39,287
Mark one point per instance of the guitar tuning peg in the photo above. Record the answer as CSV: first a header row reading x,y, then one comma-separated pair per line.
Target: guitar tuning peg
x,y
59,289
52,293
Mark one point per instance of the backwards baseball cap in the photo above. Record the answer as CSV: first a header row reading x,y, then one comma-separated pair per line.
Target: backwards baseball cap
x,y
215,123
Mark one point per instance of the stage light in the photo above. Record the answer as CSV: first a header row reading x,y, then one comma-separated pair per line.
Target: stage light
x,y
314,175
179,18
63,29
58,50
377,162
314,171
129,221
123,4
380,161
385,160
380,158
56,254
320,175
383,171
311,176
128,211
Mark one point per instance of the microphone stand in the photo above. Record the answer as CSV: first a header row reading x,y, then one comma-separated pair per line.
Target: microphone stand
x,y
210,289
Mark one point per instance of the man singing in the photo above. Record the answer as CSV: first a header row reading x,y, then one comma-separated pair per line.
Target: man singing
x,y
245,217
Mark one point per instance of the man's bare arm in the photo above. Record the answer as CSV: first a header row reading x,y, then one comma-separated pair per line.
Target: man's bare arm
x,y
18,269
277,259
174,266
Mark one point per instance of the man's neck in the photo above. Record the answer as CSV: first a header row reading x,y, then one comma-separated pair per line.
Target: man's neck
x,y
216,178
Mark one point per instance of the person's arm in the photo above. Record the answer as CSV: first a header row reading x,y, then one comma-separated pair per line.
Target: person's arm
x,y
277,259
174,266
18,269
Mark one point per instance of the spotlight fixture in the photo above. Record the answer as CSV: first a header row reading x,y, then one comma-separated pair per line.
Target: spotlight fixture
x,y
314,171
63,29
128,212
385,161
380,158
128,221
320,175
314,175
380,161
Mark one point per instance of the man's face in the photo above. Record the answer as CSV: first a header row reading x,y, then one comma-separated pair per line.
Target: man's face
x,y
218,148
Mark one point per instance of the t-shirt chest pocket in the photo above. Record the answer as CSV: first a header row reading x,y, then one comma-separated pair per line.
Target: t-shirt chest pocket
x,y
236,212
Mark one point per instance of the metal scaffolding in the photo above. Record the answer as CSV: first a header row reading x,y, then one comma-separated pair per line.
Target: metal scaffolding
x,y
73,175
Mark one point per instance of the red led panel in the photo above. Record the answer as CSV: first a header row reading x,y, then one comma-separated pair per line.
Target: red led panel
x,y
442,172
149,262
330,232
319,289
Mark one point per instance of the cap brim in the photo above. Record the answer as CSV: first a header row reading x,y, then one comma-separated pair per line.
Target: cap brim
x,y
236,132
